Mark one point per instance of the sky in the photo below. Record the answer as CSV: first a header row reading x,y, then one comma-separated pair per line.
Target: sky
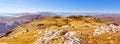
x,y
74,6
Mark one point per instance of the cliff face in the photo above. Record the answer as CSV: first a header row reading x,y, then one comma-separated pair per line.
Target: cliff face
x,y
63,30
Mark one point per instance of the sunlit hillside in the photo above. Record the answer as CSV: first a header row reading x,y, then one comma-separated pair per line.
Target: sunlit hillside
x,y
31,32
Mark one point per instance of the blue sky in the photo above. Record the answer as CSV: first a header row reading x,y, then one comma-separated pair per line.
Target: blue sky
x,y
78,6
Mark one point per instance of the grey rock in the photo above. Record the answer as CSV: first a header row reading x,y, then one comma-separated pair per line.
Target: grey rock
x,y
106,29
51,35
70,38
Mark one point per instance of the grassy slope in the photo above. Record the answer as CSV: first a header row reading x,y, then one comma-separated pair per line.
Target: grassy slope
x,y
55,23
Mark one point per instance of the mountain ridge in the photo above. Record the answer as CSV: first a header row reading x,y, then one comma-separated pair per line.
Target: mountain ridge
x,y
7,23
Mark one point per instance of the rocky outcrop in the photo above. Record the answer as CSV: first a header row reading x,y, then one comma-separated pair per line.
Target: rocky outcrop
x,y
106,29
67,26
70,38
51,35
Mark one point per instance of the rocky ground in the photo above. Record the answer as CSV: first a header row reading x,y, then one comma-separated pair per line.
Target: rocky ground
x,y
64,30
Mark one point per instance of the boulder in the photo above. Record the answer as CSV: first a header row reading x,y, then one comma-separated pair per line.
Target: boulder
x,y
15,37
26,31
49,36
86,26
70,38
106,29
67,26
40,25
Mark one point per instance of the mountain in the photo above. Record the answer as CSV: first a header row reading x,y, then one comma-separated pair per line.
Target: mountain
x,y
3,27
63,30
109,18
55,30
6,19
7,22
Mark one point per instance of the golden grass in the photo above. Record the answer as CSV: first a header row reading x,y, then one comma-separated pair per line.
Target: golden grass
x,y
55,24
